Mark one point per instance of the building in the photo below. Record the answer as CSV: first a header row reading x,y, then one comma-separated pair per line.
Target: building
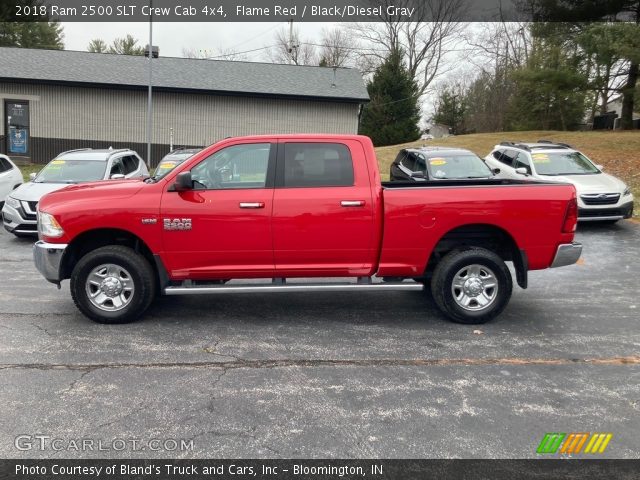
x,y
56,100
611,120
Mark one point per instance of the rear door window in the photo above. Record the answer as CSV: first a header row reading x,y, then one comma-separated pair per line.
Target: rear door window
x,y
4,165
316,165
130,164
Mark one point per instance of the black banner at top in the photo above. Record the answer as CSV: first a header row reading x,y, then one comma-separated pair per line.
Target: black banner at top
x,y
317,10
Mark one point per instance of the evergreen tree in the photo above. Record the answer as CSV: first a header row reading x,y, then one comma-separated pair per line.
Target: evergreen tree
x,y
550,90
451,110
392,115
16,32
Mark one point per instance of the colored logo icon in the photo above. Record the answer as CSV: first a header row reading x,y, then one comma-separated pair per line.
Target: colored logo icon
x,y
573,443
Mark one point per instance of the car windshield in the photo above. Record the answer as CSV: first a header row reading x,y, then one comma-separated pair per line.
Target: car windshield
x,y
563,163
170,162
456,166
72,171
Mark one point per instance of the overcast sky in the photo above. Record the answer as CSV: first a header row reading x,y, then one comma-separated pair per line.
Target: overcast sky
x,y
172,38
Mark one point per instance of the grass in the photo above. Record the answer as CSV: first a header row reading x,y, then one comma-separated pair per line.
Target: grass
x,y
618,152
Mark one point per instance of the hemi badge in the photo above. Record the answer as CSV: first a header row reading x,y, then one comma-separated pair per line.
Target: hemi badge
x,y
149,221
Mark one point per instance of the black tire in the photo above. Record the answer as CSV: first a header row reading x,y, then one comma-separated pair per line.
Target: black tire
x,y
139,273
490,269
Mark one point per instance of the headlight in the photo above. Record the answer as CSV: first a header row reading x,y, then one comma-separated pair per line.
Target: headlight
x,y
49,226
12,202
627,191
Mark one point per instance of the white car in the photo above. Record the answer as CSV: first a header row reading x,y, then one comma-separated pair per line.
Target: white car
x,y
601,197
74,166
10,177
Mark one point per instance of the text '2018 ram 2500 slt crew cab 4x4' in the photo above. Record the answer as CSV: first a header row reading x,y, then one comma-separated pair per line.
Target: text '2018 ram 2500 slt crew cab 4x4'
x,y
294,207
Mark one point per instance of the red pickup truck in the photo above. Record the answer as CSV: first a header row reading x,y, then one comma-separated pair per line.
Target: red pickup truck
x,y
293,209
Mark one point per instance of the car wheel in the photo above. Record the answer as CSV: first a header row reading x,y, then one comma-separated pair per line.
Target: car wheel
x,y
471,286
113,284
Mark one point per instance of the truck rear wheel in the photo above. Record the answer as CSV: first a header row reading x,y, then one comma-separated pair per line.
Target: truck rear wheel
x,y
471,286
113,284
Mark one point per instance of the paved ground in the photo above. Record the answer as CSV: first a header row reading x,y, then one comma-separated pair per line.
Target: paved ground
x,y
328,375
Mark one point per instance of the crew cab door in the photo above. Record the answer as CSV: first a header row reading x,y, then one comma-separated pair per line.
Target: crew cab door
x,y
222,227
323,213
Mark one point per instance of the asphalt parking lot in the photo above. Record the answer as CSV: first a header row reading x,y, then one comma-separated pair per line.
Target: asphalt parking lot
x,y
352,375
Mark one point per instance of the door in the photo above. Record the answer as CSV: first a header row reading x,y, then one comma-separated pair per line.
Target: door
x,y
222,227
323,217
17,127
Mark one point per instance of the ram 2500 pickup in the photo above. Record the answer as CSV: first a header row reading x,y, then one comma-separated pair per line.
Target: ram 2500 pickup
x,y
293,209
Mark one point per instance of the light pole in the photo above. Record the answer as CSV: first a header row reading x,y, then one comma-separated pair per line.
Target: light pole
x,y
149,100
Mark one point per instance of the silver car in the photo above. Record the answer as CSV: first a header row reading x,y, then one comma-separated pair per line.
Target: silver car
x,y
74,166
601,197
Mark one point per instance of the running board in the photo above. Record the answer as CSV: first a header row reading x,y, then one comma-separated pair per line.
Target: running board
x,y
291,287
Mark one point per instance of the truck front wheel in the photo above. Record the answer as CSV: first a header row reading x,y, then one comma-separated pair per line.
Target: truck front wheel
x,y
471,286
113,284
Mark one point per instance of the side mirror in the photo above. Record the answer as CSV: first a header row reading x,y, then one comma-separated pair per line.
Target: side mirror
x,y
117,176
32,176
522,171
495,171
600,167
183,182
417,175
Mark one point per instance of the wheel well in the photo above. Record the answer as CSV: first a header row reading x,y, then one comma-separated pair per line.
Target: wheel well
x,y
102,237
485,236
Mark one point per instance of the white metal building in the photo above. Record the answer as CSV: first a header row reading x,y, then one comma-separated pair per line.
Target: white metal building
x,y
55,100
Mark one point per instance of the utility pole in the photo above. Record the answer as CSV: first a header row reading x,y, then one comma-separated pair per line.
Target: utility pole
x,y
292,47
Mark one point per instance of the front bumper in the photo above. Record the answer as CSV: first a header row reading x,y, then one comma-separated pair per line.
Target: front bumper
x,y
48,258
597,214
567,254
14,221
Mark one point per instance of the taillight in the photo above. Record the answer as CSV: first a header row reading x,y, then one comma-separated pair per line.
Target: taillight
x,y
571,217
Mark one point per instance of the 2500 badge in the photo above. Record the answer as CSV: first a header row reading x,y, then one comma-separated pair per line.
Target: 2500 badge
x,y
177,223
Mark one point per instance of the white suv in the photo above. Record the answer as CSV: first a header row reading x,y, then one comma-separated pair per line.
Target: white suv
x,y
601,197
10,177
74,166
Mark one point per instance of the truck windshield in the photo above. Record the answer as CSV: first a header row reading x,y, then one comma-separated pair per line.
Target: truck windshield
x,y
457,166
563,163
72,171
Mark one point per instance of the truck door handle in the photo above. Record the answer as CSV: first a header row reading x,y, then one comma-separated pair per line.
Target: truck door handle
x,y
251,204
352,203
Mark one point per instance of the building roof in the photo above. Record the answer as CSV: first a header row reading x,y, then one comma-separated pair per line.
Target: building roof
x,y
181,74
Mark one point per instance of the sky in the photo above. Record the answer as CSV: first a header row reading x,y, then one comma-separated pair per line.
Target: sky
x,y
172,38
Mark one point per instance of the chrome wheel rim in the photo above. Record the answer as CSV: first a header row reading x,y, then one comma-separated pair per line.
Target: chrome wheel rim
x,y
474,288
109,287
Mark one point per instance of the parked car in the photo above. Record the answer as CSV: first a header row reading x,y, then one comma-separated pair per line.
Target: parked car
x,y
294,207
10,177
73,166
601,197
172,159
438,163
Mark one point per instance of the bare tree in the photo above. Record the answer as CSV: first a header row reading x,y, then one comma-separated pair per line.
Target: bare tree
x,y
425,43
337,48
292,50
217,54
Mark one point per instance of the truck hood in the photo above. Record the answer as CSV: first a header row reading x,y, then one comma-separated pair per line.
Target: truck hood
x,y
597,183
33,192
93,192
